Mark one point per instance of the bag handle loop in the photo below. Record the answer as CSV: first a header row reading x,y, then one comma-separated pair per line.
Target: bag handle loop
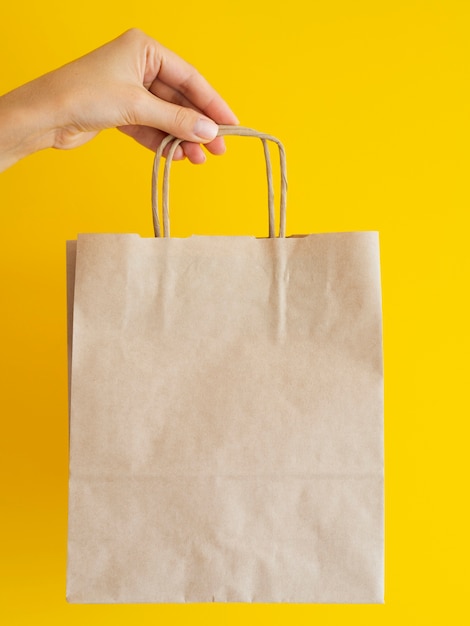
x,y
223,130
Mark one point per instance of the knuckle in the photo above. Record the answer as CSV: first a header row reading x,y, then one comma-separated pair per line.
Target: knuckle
x,y
192,74
133,33
181,120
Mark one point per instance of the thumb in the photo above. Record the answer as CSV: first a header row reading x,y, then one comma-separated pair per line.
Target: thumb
x,y
182,122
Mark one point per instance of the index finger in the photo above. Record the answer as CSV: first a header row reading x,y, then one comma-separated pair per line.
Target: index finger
x,y
177,73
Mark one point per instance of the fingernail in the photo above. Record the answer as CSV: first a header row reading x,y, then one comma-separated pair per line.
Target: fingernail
x,y
205,129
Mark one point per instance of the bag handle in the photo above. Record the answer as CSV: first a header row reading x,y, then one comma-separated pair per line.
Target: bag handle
x,y
223,130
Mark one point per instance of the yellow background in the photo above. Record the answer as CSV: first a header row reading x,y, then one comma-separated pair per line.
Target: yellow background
x,y
372,101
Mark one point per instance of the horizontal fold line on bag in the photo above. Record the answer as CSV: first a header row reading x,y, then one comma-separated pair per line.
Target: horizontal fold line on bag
x,y
193,477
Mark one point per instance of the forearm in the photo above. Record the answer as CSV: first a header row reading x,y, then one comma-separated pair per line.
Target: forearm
x,y
26,125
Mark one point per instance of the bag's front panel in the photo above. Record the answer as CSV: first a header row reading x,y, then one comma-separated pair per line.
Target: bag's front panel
x,y
226,420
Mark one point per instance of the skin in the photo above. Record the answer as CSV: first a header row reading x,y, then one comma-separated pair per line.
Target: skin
x,y
132,83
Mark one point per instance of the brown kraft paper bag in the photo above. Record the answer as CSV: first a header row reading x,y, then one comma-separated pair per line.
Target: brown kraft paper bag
x,y
226,415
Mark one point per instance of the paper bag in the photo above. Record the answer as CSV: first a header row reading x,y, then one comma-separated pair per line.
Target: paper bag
x,y
226,418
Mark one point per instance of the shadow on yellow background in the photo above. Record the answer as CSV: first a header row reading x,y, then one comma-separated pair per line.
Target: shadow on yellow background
x,y
372,102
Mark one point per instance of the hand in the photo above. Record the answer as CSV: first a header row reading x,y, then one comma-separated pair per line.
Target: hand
x,y
132,83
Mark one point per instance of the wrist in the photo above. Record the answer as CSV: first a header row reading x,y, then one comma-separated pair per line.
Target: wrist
x,y
25,125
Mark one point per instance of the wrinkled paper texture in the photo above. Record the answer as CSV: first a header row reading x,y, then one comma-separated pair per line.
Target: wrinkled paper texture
x,y
226,419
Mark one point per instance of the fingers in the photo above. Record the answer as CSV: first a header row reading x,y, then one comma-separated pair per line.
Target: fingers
x,y
183,122
193,152
164,92
180,75
153,118
151,139
217,146
174,98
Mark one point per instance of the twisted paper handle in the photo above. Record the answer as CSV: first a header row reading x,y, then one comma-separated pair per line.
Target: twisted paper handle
x,y
223,130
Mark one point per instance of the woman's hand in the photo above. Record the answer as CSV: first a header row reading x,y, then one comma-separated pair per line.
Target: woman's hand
x,y
132,83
